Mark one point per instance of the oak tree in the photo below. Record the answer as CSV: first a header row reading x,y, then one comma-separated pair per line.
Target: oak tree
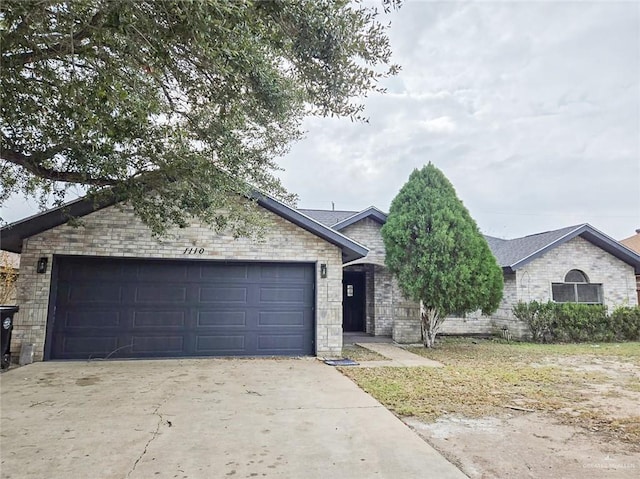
x,y
178,107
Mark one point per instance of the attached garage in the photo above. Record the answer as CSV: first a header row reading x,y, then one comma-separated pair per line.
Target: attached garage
x,y
110,289
136,308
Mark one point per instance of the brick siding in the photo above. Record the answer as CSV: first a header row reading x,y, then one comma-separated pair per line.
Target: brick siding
x,y
115,231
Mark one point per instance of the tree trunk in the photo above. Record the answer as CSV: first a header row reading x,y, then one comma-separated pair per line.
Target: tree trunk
x,y
430,323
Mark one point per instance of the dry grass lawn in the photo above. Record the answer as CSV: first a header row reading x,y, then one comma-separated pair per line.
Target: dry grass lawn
x,y
577,383
360,354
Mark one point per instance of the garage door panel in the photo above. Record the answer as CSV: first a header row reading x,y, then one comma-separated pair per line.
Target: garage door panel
x,y
140,309
93,293
159,319
224,273
235,294
169,345
282,295
88,345
267,344
222,319
283,273
163,272
221,344
94,319
172,293
281,318
78,271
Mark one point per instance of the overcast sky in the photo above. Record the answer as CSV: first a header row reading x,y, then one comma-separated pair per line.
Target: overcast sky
x,y
531,109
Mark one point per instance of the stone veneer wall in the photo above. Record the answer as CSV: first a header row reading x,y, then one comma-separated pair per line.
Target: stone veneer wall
x,y
388,312
115,231
367,232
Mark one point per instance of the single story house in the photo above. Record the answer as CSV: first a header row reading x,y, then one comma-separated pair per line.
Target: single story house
x,y
109,289
573,264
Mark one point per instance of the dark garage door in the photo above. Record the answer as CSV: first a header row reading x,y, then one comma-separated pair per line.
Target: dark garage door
x,y
142,308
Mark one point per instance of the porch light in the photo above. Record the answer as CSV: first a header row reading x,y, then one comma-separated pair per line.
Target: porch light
x,y
323,270
41,267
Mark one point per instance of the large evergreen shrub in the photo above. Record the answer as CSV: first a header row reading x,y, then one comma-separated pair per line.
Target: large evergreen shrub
x,y
437,253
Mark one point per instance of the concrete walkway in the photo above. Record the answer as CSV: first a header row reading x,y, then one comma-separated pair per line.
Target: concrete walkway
x,y
399,358
201,419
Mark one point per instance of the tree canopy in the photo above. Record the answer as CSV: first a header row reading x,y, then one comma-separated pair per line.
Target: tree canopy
x,y
177,106
437,253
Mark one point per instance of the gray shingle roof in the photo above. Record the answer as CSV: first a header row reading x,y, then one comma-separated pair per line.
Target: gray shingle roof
x,y
512,251
511,254
327,217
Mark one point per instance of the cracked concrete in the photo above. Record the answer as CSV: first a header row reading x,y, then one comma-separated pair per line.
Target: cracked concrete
x,y
153,436
202,418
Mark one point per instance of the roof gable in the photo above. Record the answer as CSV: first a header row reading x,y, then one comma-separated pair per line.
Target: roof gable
x,y
11,236
370,212
515,253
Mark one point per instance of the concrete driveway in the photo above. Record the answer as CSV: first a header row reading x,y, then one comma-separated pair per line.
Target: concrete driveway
x,y
202,418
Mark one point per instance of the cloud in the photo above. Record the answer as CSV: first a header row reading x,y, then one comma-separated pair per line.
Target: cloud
x,y
532,109
442,124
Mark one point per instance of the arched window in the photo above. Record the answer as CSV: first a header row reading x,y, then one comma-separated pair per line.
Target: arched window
x,y
576,289
576,276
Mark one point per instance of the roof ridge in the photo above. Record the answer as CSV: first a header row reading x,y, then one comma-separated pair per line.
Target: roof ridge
x,y
573,227
327,211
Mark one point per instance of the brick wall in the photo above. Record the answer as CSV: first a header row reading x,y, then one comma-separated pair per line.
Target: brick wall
x,y
406,318
616,276
117,232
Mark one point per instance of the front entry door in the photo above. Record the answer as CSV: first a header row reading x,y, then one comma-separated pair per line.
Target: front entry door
x,y
353,301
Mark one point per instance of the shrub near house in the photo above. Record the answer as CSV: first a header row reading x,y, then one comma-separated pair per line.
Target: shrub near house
x,y
564,322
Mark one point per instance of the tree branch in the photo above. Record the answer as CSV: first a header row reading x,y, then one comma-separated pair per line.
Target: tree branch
x,y
57,50
32,163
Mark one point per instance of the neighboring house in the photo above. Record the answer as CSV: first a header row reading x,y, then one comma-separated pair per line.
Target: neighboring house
x,y
108,288
573,264
633,243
